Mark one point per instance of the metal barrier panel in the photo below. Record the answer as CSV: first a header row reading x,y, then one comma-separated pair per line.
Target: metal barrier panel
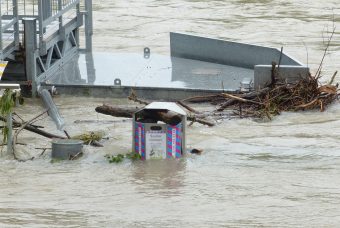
x,y
225,52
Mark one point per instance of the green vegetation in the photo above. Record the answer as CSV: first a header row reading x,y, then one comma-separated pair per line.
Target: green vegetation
x,y
120,157
89,137
133,156
7,104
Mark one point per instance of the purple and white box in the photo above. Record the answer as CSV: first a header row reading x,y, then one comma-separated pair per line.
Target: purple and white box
x,y
159,140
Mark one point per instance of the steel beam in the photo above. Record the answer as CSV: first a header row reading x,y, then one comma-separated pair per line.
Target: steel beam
x,y
16,25
1,44
30,28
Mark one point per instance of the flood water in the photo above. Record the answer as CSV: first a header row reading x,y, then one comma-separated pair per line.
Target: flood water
x,y
283,173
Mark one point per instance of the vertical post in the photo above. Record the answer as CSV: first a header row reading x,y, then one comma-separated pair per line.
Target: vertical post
x,y
60,8
9,134
79,15
47,9
30,28
16,25
88,25
41,21
91,70
1,46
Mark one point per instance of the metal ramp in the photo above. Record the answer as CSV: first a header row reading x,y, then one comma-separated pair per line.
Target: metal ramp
x,y
38,37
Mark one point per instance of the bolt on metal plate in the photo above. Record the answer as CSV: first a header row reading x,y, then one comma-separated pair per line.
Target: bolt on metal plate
x,y
147,53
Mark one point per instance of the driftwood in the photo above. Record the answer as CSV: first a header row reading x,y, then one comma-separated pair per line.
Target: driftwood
x,y
249,96
278,96
15,137
241,99
201,121
148,116
304,94
116,111
307,93
34,129
181,103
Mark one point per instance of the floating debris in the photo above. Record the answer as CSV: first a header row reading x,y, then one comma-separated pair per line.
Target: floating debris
x,y
196,151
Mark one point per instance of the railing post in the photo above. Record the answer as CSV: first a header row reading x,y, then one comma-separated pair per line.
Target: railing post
x,y
1,45
41,21
16,25
60,8
88,25
79,15
30,29
47,9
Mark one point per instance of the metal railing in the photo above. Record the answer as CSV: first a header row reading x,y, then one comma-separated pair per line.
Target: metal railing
x,y
9,35
51,15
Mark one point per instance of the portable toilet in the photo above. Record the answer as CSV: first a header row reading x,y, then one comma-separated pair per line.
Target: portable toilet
x,y
159,131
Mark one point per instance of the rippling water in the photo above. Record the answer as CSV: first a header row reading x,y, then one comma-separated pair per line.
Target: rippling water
x,y
273,174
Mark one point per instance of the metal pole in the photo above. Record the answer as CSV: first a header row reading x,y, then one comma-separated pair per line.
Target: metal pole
x,y
88,25
16,25
30,28
79,15
91,70
47,10
60,8
41,22
1,46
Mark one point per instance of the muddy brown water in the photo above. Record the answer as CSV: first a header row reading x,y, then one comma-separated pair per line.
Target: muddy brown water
x,y
283,173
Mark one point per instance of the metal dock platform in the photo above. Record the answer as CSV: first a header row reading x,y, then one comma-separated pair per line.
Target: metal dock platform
x,y
196,66
40,42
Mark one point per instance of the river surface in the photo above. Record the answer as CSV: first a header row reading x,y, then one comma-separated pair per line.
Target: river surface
x,y
282,173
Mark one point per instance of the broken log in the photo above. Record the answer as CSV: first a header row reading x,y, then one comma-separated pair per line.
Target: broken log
x,y
201,121
241,99
165,116
187,107
116,111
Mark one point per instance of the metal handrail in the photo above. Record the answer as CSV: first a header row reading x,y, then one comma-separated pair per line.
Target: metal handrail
x,y
49,14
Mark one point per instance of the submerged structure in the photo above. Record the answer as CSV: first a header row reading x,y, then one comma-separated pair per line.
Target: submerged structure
x,y
196,66
40,39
